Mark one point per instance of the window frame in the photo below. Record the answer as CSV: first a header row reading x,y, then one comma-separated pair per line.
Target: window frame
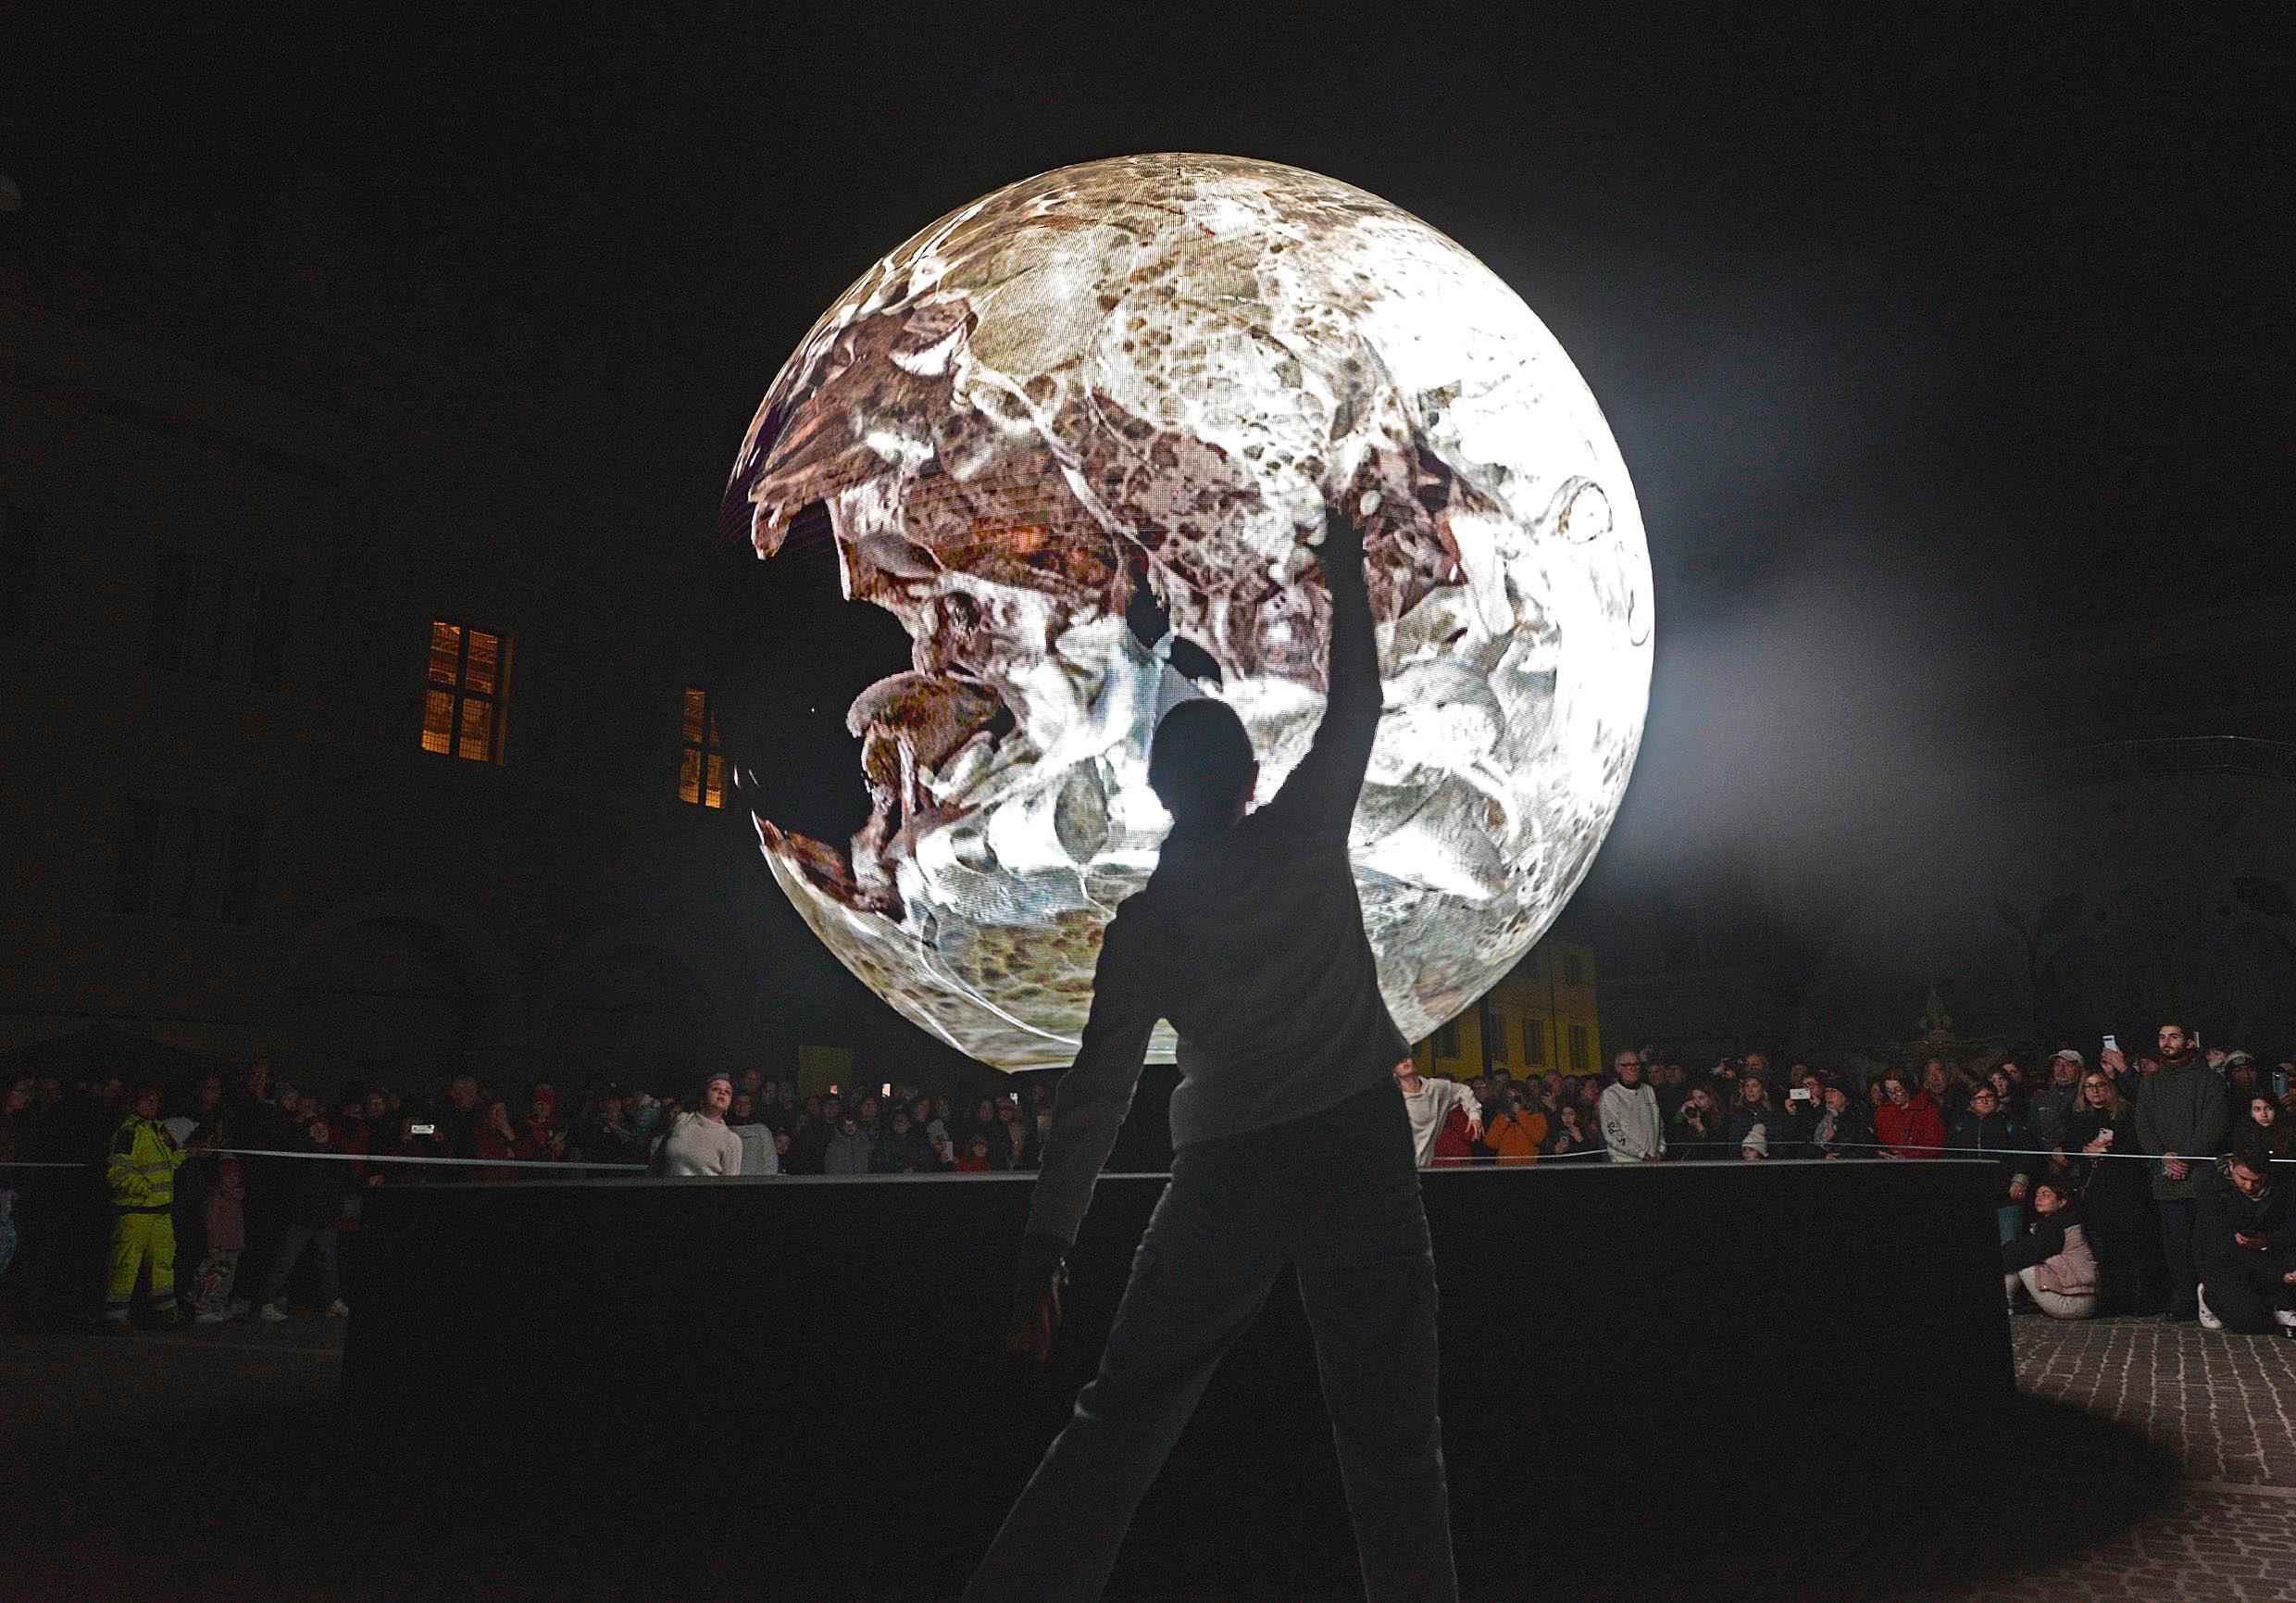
x,y
709,751
460,695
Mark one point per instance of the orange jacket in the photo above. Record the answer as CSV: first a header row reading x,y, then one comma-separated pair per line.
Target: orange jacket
x,y
1516,1137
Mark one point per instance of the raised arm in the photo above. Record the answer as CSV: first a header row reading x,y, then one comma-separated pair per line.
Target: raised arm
x,y
1321,792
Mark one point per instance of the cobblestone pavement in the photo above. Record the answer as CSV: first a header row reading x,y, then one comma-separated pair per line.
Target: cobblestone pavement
x,y
2150,1462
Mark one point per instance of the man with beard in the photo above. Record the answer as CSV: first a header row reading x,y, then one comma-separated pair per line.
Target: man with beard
x,y
2183,1114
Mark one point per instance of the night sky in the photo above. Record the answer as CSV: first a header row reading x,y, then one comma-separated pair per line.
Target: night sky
x,y
1922,338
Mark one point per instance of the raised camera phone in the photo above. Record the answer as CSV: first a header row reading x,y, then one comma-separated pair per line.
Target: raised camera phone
x,y
422,1129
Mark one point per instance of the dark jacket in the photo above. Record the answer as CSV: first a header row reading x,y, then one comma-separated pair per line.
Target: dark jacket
x,y
1852,1136
2224,1210
1991,1133
2183,1109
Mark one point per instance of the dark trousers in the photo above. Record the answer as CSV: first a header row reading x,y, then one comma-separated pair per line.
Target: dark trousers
x,y
2179,1221
2244,1288
1337,1195
321,1241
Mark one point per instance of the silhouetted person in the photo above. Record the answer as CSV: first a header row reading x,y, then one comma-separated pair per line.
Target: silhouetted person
x,y
1290,1143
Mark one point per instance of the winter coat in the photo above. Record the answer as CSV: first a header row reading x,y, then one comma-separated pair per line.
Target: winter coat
x,y
1849,1133
2226,1211
2056,1248
2046,1114
848,1153
2184,1110
1917,1130
1516,1137
1990,1133
1452,1144
141,1171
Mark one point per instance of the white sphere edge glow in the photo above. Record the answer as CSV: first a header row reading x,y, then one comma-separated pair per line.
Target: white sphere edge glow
x,y
1133,382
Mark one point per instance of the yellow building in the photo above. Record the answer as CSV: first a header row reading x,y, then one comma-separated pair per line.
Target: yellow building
x,y
1541,1017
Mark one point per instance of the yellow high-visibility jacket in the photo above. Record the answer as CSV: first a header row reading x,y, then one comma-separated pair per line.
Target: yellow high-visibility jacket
x,y
143,1160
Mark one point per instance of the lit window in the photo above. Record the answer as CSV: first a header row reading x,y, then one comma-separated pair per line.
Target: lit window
x,y
462,713
702,765
1582,1052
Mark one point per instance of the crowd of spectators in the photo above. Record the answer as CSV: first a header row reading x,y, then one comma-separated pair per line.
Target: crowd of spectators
x,y
248,1168
2155,1183
2145,1183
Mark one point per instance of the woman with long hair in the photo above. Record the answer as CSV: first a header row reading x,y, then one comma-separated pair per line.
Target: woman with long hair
x,y
2116,1195
2265,1128
2051,1261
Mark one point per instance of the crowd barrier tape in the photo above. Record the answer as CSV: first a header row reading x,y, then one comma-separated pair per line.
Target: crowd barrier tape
x,y
524,1164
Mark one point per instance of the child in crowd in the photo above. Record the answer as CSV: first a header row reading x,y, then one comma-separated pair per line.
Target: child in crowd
x,y
227,1238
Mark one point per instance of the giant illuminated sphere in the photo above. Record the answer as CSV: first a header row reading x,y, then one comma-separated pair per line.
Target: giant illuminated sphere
x,y
1075,437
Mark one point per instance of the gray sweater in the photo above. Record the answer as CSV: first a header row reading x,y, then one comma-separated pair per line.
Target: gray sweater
x,y
699,1145
1250,939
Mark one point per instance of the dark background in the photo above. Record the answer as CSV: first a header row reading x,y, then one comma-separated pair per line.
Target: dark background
x,y
1926,339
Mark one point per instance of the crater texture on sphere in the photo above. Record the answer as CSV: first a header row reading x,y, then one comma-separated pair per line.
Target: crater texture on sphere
x,y
1077,437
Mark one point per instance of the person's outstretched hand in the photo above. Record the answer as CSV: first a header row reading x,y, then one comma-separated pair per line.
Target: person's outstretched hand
x,y
1344,515
1036,1313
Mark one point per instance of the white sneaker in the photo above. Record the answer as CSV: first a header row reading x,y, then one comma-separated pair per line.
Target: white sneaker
x,y
2287,1316
2208,1316
338,1310
213,1316
274,1314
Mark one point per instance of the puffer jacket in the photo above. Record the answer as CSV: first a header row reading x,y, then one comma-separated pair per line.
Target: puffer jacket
x,y
2056,1249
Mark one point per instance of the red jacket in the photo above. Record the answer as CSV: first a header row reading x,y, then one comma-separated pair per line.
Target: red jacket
x,y
1917,1130
1451,1144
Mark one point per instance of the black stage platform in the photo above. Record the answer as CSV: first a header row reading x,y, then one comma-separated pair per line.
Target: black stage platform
x,y
827,1351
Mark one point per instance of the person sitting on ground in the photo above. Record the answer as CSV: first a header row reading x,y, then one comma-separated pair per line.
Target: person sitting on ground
x,y
2246,1245
2051,1261
700,1144
1844,1128
1907,1123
